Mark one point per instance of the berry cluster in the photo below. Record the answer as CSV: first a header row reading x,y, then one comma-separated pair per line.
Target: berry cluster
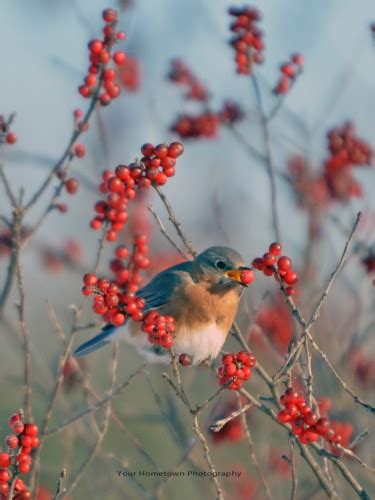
x,y
17,460
289,72
346,151
6,136
129,74
280,267
311,189
248,38
304,421
159,329
235,369
207,124
116,301
158,163
180,74
101,53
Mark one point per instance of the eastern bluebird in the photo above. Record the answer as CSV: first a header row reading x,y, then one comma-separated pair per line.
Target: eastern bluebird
x,y
203,297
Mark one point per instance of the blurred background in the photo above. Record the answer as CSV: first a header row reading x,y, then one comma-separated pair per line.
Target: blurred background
x,y
220,195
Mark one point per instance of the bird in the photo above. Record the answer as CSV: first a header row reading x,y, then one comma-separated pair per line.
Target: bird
x,y
202,295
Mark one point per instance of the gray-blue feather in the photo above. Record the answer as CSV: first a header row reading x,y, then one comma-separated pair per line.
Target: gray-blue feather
x,y
156,294
100,340
159,290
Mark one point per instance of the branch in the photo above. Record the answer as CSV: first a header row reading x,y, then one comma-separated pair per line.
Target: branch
x,y
59,489
252,449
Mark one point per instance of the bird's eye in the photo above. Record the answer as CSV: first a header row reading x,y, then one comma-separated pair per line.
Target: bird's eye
x,y
220,264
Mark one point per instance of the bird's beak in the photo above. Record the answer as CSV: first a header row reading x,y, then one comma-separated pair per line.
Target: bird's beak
x,y
235,275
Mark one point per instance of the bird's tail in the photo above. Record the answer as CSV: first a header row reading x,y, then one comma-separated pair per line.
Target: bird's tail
x,y
101,339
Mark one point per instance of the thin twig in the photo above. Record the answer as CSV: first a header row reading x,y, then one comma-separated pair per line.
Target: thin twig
x,y
174,221
269,162
219,424
293,468
59,489
165,232
252,449
21,314
105,424
96,406
203,440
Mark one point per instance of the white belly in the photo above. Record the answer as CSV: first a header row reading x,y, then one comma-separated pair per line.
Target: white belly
x,y
201,344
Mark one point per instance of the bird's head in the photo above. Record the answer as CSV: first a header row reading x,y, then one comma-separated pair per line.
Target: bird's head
x,y
220,267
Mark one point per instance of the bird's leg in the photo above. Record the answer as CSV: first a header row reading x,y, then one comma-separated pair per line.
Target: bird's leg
x,y
207,363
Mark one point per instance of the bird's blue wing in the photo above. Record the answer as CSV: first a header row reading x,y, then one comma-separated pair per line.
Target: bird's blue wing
x,y
100,340
159,290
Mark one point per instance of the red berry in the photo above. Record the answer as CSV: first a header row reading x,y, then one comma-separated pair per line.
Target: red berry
x,y
185,359
4,476
105,99
247,372
310,435
109,15
322,425
283,417
291,396
114,184
84,90
109,75
290,278
4,489
269,259
247,276
227,358
12,441
161,151
230,369
18,426
79,150
288,70
14,418
311,418
71,185
118,319
31,430
5,460
258,264
284,263
19,485
119,57
298,59
175,149
11,138
95,46
122,252
24,468
242,357
90,279
275,248
148,149
90,80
